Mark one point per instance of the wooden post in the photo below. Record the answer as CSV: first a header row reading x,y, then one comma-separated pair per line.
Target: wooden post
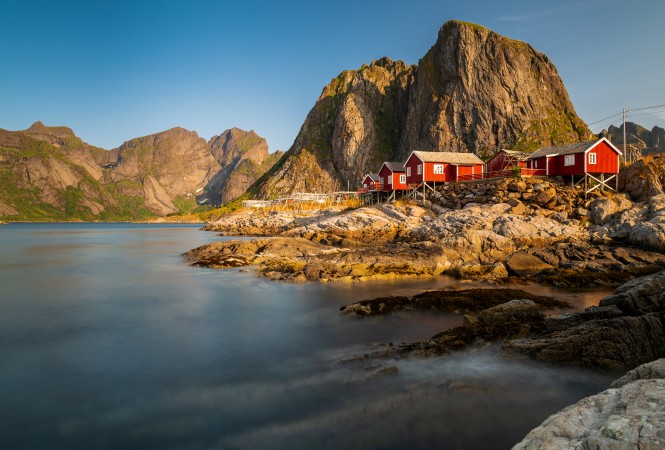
x,y
585,185
602,182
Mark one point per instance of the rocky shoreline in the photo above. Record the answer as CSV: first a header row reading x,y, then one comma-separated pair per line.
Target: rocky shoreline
x,y
504,231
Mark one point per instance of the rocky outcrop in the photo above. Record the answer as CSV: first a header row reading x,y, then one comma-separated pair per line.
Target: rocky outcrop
x,y
628,329
643,179
630,415
474,91
450,301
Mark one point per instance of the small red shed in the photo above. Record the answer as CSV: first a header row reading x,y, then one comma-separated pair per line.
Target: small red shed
x,y
371,182
439,167
506,159
392,176
579,159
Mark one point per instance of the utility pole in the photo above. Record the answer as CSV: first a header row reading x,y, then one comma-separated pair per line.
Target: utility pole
x,y
624,137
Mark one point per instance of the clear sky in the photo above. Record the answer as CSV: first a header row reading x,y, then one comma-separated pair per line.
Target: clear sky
x,y
115,69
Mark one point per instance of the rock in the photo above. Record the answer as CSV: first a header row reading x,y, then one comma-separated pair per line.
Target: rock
x,y
510,319
604,209
628,417
657,205
517,186
620,343
642,179
523,264
649,236
580,212
649,371
545,196
644,294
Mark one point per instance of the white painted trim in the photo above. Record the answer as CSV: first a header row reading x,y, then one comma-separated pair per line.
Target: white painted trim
x,y
608,143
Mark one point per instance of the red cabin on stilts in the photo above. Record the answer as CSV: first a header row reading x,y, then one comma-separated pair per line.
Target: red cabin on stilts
x,y
441,167
392,176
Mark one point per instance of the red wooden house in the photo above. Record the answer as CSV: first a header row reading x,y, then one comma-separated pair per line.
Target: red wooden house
x,y
371,182
392,176
505,160
598,157
440,167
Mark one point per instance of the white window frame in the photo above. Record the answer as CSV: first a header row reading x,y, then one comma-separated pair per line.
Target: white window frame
x,y
419,169
402,179
408,171
390,179
438,169
381,181
569,160
593,158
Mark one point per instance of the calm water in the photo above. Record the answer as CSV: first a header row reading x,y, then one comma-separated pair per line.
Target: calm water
x,y
109,341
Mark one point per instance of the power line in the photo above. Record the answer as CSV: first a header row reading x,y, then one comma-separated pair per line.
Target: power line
x,y
608,117
627,110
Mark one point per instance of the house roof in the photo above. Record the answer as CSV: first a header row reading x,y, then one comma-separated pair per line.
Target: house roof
x,y
520,156
449,157
569,149
373,176
394,166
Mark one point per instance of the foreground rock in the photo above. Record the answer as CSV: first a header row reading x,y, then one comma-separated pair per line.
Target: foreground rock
x,y
631,415
464,301
620,334
297,259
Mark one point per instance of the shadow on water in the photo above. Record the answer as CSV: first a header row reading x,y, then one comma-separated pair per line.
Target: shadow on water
x,y
109,340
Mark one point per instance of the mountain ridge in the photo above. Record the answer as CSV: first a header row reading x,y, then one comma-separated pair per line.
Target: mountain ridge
x,y
49,173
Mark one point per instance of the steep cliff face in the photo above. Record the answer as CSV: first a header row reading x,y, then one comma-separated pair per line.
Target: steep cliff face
x,y
474,91
48,173
354,126
171,164
477,91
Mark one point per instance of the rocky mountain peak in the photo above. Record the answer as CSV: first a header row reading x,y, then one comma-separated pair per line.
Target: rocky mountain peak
x,y
56,136
237,143
474,91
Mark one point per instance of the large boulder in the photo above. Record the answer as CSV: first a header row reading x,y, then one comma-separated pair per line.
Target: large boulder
x,y
523,264
603,209
630,416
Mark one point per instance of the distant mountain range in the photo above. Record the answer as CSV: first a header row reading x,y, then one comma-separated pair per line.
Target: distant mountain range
x,y
474,91
48,173
637,136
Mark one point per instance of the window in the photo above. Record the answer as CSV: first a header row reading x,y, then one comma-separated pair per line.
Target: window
x,y
408,171
592,158
438,169
381,180
569,160
390,180
402,179
419,169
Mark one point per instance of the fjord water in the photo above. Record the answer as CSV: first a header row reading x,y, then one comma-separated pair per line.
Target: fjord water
x,y
108,340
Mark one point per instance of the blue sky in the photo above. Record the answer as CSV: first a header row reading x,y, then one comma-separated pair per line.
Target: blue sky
x,y
115,70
